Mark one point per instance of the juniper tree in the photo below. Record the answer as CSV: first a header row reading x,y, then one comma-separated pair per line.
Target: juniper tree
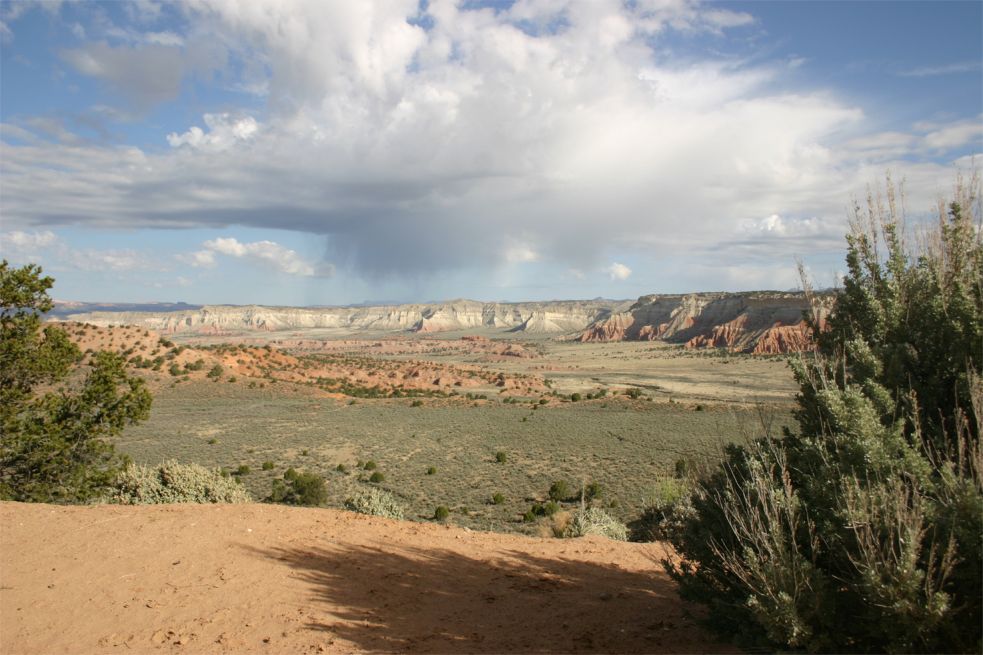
x,y
54,425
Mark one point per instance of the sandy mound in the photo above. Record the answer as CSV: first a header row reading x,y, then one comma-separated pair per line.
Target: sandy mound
x,y
272,579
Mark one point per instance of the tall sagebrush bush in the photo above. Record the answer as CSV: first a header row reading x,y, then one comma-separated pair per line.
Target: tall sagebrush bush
x,y
861,531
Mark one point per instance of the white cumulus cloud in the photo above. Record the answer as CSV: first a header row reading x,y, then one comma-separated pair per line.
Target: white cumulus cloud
x,y
224,131
19,240
198,258
267,253
618,271
46,248
777,226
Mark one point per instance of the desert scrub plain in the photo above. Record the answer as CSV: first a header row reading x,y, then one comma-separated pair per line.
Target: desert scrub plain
x,y
441,451
663,370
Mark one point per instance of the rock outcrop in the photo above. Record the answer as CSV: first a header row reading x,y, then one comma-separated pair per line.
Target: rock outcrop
x,y
761,323
554,317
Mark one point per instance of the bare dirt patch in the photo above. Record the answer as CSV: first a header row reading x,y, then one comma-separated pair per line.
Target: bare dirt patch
x,y
263,578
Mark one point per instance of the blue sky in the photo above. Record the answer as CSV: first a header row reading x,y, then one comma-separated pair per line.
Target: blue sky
x,y
330,153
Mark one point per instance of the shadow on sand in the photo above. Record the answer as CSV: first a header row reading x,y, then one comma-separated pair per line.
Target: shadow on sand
x,y
440,601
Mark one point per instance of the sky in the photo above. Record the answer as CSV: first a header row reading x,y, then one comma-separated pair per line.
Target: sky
x,y
327,152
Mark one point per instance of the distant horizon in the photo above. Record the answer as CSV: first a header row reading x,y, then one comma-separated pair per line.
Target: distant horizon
x,y
183,304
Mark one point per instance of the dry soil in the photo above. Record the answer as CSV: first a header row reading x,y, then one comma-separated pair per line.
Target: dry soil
x,y
273,579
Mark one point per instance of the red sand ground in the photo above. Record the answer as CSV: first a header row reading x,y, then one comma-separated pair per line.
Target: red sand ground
x,y
272,579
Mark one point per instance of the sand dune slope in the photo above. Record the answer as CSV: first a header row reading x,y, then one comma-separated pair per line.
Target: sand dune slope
x,y
272,579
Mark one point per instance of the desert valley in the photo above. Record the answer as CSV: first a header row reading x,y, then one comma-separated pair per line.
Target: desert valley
x,y
610,393
484,410
491,326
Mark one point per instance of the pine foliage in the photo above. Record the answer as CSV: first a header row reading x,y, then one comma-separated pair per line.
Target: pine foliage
x,y
53,446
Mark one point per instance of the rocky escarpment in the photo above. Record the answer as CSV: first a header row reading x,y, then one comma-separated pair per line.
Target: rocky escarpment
x,y
555,317
760,323
754,322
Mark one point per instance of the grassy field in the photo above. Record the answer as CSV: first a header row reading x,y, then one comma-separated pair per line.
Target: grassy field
x,y
624,445
662,370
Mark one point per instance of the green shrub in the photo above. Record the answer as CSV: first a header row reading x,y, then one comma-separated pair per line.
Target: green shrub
x,y
216,371
591,491
591,520
377,477
370,465
441,513
549,508
267,466
575,397
681,468
634,393
431,470
498,499
375,502
559,490
860,531
416,403
341,468
299,489
501,457
171,482
668,507
243,469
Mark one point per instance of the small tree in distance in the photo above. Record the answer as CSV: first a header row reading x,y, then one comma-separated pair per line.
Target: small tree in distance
x,y
52,446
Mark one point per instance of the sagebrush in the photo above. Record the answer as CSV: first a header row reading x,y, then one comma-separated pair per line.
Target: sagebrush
x,y
171,482
861,530
593,520
376,502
